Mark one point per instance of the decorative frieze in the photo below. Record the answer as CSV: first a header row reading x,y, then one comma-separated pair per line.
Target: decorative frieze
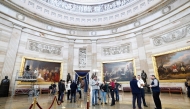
x,y
44,47
82,57
116,50
172,36
84,8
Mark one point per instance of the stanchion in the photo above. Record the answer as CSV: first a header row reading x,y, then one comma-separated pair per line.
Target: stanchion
x,y
88,99
34,103
55,102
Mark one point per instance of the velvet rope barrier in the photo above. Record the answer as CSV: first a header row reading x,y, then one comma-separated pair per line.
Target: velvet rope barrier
x,y
39,105
57,101
52,102
31,106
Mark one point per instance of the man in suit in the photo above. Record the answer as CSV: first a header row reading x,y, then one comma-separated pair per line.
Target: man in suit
x,y
61,90
136,91
73,87
156,92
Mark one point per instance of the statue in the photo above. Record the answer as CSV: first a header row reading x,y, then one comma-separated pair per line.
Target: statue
x,y
68,77
144,76
4,89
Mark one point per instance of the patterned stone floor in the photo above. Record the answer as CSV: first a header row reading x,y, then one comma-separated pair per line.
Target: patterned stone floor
x,y
173,101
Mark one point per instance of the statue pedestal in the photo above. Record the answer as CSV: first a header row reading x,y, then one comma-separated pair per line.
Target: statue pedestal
x,y
147,90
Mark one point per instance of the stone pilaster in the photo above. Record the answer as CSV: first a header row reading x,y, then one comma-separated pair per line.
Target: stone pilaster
x,y
142,54
10,58
94,57
70,57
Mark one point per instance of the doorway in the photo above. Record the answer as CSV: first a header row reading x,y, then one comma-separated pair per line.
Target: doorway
x,y
82,75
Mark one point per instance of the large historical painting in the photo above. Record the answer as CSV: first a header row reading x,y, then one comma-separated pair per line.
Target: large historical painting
x,y
174,65
43,71
121,71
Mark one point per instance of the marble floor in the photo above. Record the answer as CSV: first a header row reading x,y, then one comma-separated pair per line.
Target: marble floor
x,y
173,101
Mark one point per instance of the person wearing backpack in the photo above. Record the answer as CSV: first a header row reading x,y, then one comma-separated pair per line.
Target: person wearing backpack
x,y
187,84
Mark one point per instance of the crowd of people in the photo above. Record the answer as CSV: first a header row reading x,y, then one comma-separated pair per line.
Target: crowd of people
x,y
104,89
137,84
71,87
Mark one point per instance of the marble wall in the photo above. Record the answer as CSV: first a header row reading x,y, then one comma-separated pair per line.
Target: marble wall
x,y
138,43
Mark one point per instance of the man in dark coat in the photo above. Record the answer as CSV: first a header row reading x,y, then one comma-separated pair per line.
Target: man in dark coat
x,y
156,92
135,87
61,90
73,87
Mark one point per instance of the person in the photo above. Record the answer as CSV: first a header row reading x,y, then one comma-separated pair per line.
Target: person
x,y
142,90
61,90
73,87
59,85
82,89
182,66
68,90
104,89
54,88
117,85
112,88
144,76
95,86
50,89
135,88
79,89
156,92
174,69
187,84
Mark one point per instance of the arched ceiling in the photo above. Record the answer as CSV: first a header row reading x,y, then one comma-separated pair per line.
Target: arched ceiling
x,y
91,16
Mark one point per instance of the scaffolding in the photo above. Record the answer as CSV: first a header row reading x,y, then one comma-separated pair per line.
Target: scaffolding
x,y
26,76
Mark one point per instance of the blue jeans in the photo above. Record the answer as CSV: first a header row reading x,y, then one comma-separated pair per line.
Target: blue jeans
x,y
117,94
61,94
103,94
94,96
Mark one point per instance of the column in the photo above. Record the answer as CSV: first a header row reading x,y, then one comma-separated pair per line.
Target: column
x,y
70,58
142,54
9,62
94,55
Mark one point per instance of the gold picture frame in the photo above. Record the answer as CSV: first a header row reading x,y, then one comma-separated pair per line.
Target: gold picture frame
x,y
121,62
171,69
22,67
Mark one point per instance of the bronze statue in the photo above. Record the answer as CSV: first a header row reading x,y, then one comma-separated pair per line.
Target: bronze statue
x,y
144,76
4,88
68,77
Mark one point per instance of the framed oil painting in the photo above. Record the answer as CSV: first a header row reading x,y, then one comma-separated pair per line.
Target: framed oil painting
x,y
173,66
122,71
45,71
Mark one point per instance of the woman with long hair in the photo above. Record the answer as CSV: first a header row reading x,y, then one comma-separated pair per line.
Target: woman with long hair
x,y
104,89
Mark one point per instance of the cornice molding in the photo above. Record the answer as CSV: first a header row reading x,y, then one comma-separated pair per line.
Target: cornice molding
x,y
79,27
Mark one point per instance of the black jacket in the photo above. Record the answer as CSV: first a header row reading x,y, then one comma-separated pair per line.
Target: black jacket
x,y
61,87
73,87
104,87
